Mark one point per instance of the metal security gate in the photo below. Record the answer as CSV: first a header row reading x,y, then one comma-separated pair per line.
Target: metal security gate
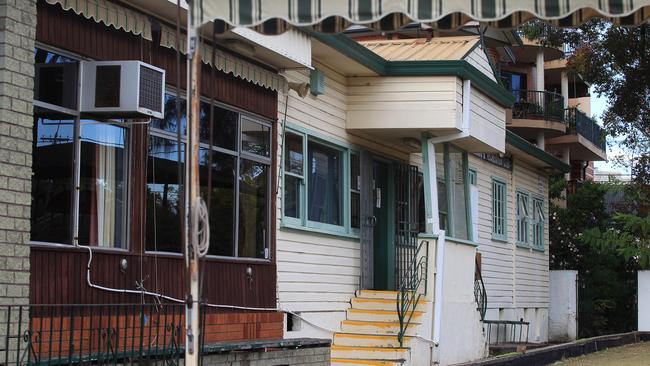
x,y
407,220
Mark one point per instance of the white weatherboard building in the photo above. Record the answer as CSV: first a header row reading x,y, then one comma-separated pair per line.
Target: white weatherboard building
x,y
383,120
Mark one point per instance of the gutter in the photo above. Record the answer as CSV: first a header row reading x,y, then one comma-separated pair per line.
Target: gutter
x,y
539,154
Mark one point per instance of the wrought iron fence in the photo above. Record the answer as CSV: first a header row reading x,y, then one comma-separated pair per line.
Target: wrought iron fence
x,y
581,124
412,287
480,295
92,334
536,104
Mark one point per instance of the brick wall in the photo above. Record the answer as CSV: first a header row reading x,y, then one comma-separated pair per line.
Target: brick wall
x,y
17,34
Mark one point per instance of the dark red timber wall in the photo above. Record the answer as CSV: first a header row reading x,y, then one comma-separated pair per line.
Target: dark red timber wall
x,y
58,274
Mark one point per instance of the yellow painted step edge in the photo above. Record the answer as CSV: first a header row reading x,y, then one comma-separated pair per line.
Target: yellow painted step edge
x,y
382,312
364,299
358,335
375,324
373,349
363,362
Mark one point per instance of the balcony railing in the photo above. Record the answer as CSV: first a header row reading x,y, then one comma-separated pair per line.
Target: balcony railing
x,y
535,104
579,123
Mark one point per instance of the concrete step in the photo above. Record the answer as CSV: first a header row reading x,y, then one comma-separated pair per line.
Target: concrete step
x,y
380,315
376,294
369,340
363,327
351,362
370,353
382,304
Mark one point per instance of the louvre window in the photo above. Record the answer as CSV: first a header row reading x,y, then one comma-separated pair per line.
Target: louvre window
x,y
499,202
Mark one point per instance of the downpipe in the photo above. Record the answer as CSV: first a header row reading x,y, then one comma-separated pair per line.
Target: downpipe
x,y
440,245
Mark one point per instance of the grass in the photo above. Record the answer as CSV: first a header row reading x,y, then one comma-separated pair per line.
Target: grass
x,y
636,354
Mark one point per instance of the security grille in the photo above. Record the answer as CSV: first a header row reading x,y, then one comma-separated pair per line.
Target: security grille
x,y
151,84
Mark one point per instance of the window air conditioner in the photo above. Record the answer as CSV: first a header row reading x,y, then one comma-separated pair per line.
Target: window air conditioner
x,y
122,89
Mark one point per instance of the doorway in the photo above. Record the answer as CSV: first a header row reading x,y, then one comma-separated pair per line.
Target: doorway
x,y
383,230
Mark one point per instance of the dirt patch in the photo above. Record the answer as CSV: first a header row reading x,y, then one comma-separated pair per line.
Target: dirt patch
x,y
637,354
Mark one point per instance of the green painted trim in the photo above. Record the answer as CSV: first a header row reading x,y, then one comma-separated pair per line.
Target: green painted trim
x,y
392,242
352,49
311,230
428,209
427,236
468,202
449,225
532,150
462,241
527,243
459,68
495,236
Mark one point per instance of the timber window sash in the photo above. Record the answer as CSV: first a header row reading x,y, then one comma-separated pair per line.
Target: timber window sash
x,y
538,220
523,213
80,182
240,207
321,184
454,203
499,210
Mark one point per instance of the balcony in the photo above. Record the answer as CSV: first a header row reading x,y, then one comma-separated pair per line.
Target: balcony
x,y
535,104
534,110
584,138
579,123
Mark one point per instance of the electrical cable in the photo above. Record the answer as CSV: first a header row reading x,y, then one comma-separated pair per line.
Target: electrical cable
x,y
158,296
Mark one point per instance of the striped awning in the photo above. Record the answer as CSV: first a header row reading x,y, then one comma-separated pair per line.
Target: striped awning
x,y
111,14
331,16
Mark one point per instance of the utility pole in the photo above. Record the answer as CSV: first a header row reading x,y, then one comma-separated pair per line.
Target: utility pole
x,y
192,192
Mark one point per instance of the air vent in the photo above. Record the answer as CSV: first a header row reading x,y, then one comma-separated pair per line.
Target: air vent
x,y
122,89
151,87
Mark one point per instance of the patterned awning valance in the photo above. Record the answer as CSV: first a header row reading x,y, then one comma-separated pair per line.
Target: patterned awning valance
x,y
111,14
132,21
275,16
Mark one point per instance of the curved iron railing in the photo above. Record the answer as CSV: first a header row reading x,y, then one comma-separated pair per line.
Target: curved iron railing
x,y
538,104
480,295
580,124
409,291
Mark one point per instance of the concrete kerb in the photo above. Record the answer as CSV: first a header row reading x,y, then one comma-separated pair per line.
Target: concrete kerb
x,y
551,354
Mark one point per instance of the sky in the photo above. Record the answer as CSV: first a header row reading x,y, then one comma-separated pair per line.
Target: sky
x,y
598,106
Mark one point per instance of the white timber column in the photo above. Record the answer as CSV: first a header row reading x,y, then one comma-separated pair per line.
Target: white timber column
x,y
540,139
566,158
564,86
539,69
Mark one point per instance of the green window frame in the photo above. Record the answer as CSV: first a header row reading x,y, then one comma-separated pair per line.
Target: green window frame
x,y
538,220
523,215
297,175
453,194
499,210
473,177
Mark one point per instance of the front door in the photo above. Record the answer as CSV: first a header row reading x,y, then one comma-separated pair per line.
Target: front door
x,y
377,246
383,261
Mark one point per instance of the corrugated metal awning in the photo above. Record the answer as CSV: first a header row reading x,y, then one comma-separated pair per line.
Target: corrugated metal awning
x,y
275,16
445,48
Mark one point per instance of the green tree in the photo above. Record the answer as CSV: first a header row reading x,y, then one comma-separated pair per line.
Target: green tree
x,y
615,60
607,280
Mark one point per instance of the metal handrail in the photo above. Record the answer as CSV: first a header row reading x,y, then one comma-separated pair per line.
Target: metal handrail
x,y
578,123
538,104
480,295
408,293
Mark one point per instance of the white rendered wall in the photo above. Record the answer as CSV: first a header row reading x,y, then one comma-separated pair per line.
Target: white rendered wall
x,y
563,306
644,301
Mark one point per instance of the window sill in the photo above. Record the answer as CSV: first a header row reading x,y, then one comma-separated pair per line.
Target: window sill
x,y
530,247
499,239
463,241
427,236
288,226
